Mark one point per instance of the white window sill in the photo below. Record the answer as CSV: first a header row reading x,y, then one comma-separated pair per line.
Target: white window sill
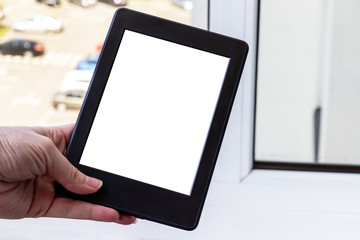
x,y
272,204
269,204
293,190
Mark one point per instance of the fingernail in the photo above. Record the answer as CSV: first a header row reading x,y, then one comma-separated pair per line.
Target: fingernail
x,y
135,221
93,182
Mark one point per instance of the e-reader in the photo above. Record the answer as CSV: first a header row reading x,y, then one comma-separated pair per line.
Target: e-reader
x,y
154,117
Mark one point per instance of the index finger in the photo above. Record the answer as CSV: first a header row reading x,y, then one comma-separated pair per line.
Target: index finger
x,y
60,135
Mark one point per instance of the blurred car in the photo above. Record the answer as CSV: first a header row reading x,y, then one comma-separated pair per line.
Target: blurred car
x,y
72,90
84,3
52,3
71,99
38,24
99,47
22,47
89,63
115,2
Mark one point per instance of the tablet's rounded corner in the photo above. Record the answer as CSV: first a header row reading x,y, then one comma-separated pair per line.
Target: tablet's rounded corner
x,y
120,10
191,226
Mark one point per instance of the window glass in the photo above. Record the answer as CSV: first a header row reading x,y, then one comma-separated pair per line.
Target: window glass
x,y
44,76
308,88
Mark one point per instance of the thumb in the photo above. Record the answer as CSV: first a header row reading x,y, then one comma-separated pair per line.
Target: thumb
x,y
59,167
70,177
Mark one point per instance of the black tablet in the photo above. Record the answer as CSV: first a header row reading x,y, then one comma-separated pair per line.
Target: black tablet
x,y
154,117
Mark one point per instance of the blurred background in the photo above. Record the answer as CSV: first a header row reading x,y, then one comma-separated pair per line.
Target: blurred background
x,y
49,49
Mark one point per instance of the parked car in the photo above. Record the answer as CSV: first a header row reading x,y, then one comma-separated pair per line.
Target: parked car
x,y
115,2
72,90
84,3
22,47
99,47
38,24
52,3
71,99
89,63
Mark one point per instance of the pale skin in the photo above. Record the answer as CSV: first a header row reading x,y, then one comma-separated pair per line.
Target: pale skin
x,y
31,161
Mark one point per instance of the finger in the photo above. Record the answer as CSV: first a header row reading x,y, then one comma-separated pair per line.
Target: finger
x,y
74,209
60,135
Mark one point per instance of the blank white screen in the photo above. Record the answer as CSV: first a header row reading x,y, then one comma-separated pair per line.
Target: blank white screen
x,y
155,113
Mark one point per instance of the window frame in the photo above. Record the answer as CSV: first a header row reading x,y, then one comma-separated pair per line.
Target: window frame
x,y
237,19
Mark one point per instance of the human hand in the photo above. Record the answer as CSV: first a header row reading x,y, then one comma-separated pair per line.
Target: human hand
x,y
31,161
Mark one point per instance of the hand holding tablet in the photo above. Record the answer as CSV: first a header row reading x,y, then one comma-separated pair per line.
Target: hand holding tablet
x,y
154,117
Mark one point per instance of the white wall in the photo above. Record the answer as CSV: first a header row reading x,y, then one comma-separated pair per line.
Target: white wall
x,y
289,68
341,90
308,58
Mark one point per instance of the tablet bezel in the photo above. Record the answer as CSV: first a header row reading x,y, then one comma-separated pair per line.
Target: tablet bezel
x,y
137,198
